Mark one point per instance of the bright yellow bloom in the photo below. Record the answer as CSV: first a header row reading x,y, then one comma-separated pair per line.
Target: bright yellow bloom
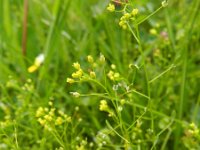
x,y
111,75
70,80
41,121
113,66
50,103
92,74
39,112
77,74
111,7
153,31
48,117
103,105
122,101
76,65
90,59
32,68
134,12
59,121
127,15
116,75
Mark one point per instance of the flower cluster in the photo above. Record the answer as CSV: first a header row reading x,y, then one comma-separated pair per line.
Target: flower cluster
x,y
47,117
28,86
104,107
191,139
111,7
114,76
79,74
102,138
127,17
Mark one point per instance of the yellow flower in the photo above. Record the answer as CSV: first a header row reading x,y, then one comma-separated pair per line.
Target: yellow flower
x,y
51,112
70,80
153,31
121,23
37,63
50,103
32,68
103,105
134,12
116,75
48,117
113,66
124,27
41,121
127,15
92,74
59,121
77,74
76,65
39,112
111,75
122,101
111,7
90,59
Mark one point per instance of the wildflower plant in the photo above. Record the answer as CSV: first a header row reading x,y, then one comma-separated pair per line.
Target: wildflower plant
x,y
54,121
115,96
117,93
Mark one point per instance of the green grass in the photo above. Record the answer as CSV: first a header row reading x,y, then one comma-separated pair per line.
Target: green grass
x,y
153,104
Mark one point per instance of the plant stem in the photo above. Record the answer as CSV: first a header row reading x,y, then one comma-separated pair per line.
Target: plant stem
x,y
24,34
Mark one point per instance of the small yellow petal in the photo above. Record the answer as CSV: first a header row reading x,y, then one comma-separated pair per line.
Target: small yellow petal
x,y
32,68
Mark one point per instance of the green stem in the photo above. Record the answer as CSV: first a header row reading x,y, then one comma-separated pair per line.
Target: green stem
x,y
160,75
147,17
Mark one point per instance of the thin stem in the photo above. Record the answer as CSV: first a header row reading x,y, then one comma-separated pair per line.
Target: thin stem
x,y
24,35
146,76
109,126
147,17
157,137
136,38
134,91
160,75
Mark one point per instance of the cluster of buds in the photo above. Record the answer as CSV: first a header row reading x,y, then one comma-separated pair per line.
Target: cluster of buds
x,y
111,7
126,17
104,107
191,138
114,76
77,74
192,130
48,118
